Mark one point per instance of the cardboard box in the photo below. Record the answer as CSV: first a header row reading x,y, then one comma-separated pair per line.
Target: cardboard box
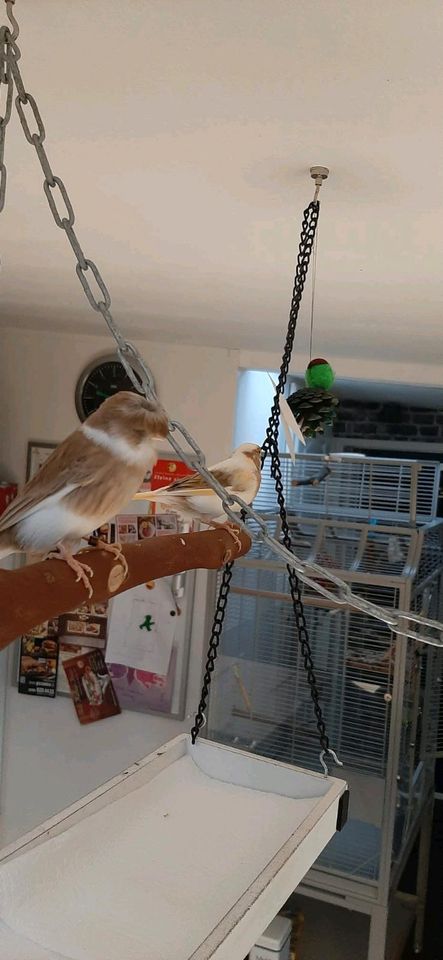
x,y
274,943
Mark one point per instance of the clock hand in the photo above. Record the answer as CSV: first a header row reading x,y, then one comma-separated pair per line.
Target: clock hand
x,y
100,393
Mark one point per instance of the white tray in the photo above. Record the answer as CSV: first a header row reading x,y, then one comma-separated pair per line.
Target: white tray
x,y
188,855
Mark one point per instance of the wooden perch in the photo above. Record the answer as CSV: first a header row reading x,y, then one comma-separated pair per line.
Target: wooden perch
x,y
41,591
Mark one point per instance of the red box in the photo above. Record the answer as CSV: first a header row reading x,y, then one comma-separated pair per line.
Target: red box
x,y
165,472
7,493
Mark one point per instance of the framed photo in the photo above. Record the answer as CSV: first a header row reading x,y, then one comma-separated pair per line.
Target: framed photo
x,y
37,454
38,665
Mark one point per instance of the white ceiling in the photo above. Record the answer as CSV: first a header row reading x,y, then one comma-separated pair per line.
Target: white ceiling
x,y
185,129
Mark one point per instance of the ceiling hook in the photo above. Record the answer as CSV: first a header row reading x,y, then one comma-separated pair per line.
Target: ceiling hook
x,y
318,174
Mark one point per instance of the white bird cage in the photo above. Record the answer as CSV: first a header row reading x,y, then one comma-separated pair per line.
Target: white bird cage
x,y
380,693
357,488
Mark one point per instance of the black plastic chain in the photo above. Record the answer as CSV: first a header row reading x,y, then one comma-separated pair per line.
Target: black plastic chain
x,y
308,230
270,447
297,603
214,641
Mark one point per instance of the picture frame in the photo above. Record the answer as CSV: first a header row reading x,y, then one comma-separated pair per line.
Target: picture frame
x,y
38,452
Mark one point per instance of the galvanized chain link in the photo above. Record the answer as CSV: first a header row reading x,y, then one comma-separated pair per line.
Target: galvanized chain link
x,y
63,213
6,98
15,28
142,380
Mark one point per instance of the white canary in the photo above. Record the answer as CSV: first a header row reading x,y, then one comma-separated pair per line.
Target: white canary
x,y
192,499
86,481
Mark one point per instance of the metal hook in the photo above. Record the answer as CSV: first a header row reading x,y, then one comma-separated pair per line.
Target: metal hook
x,y
333,754
12,20
318,174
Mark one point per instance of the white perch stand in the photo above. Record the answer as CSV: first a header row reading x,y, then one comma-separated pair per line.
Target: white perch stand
x,y
187,855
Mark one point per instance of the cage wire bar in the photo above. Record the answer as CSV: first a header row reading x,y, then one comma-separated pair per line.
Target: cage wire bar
x,y
380,692
386,489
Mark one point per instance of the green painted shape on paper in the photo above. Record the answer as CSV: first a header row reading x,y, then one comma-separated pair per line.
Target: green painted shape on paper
x,y
148,623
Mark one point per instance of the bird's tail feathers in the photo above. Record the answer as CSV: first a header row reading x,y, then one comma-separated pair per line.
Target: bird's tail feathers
x,y
5,551
146,495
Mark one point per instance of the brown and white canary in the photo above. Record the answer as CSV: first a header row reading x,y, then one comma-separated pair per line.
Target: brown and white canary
x,y
192,499
86,481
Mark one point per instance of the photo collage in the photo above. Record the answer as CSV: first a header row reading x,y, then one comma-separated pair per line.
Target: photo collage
x,y
125,650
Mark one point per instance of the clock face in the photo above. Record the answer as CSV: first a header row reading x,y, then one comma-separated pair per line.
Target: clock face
x,y
100,380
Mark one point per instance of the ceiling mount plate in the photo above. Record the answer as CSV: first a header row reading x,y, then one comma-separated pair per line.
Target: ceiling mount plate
x,y
319,173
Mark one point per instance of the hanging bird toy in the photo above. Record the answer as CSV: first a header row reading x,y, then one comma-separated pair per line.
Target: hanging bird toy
x,y
313,406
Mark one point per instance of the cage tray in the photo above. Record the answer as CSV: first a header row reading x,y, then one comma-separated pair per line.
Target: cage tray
x,y
188,854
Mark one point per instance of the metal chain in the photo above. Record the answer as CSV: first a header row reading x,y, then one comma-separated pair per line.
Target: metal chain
x,y
309,227
63,213
6,97
141,377
270,446
214,640
297,603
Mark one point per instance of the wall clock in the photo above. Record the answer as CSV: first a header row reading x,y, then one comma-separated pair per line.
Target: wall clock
x,y
99,380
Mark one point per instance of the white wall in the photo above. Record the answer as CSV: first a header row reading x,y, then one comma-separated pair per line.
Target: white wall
x,y
255,394
49,758
39,371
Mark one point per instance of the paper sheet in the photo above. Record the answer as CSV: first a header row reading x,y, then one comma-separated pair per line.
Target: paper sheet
x,y
142,628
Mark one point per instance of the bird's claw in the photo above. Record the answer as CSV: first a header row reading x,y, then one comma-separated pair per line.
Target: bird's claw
x,y
87,570
84,575
232,530
83,571
116,550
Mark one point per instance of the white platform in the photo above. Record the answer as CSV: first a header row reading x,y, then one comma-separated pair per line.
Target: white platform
x,y
188,855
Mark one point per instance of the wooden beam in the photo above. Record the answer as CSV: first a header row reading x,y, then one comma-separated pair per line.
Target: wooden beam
x,y
41,591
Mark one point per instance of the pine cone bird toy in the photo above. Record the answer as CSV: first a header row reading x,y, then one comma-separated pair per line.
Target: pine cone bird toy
x,y
313,406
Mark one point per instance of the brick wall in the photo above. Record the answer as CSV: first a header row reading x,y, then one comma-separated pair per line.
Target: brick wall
x,y
388,421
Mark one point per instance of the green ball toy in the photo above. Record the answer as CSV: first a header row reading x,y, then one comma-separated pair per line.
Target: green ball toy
x,y
319,374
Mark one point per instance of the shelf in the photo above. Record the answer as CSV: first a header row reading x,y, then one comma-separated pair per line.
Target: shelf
x,y
188,854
